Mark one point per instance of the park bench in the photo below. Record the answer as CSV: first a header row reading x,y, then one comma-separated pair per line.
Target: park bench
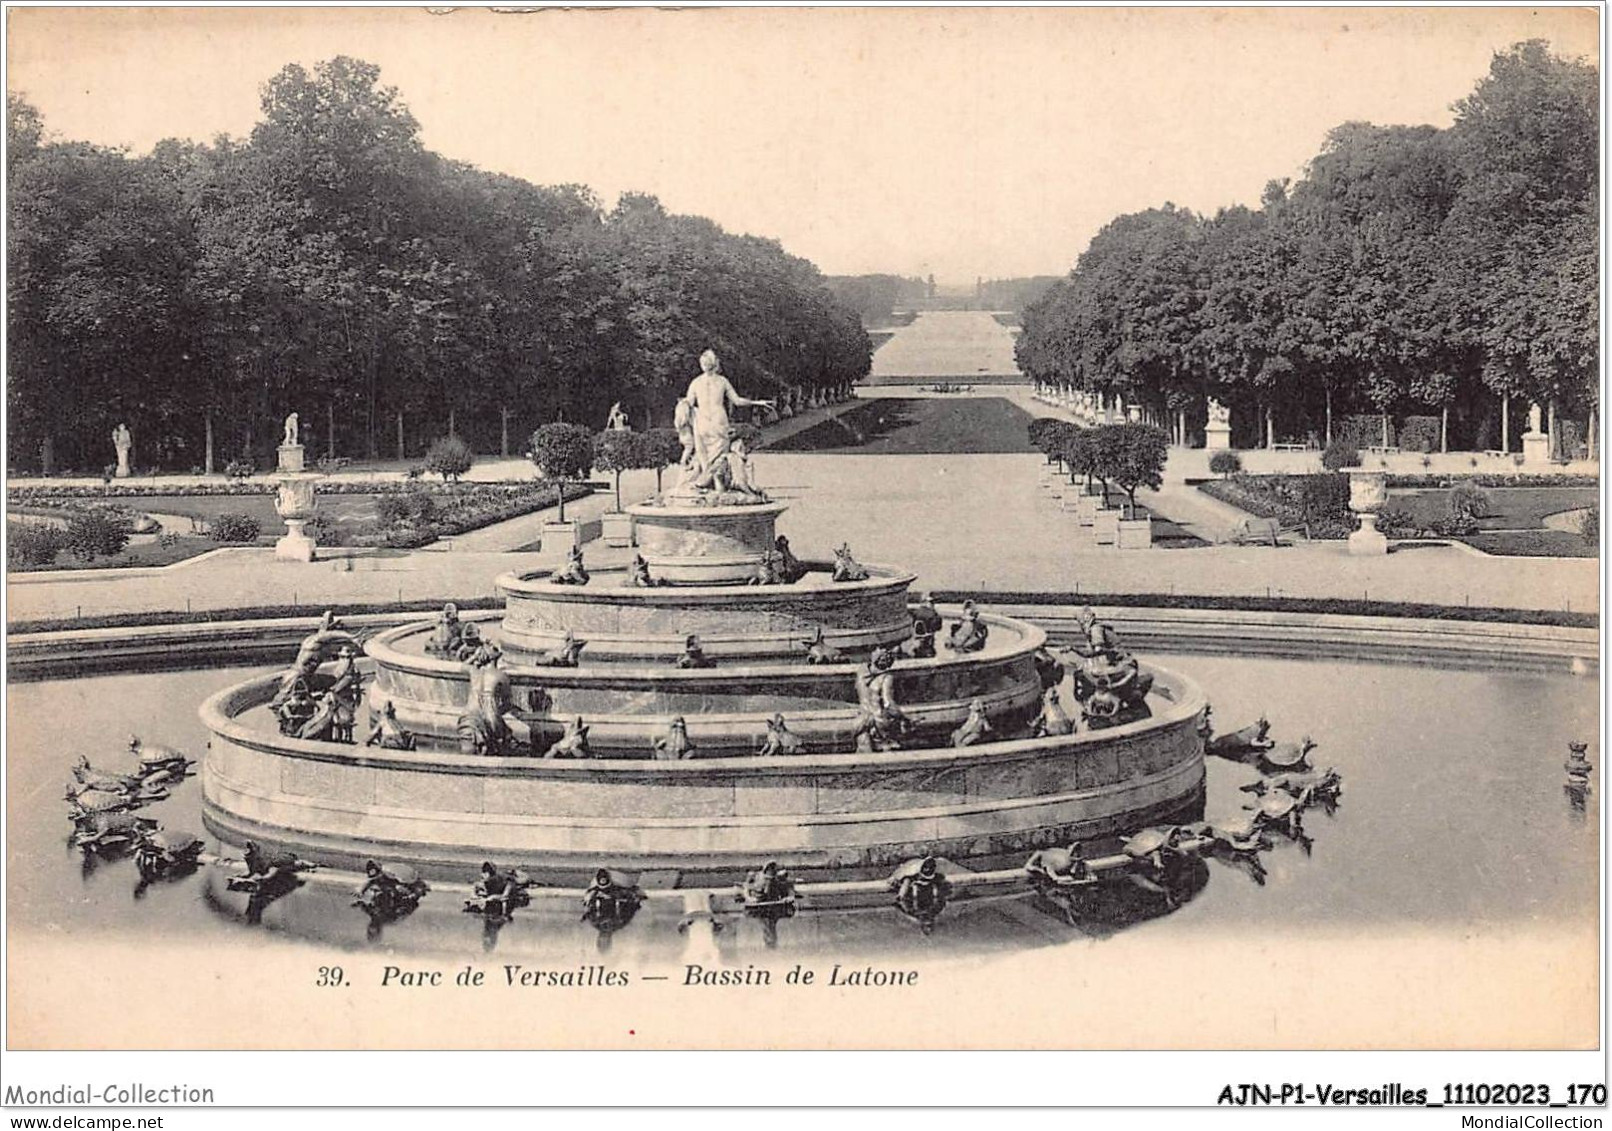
x,y
1291,448
1260,532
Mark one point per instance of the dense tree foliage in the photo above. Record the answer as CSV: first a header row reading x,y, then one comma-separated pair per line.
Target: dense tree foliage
x,y
330,265
1412,270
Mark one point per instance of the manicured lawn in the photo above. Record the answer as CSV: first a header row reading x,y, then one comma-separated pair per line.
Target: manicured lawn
x,y
151,553
918,426
1510,508
1533,544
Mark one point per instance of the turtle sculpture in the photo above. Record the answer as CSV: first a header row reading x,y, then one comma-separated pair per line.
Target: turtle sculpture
x,y
108,832
820,652
390,891
154,757
1239,743
1279,809
167,853
1236,844
89,777
922,890
1157,854
269,871
1285,757
1313,787
609,903
93,799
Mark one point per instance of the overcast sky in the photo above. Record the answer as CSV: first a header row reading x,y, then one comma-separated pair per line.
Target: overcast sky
x,y
961,142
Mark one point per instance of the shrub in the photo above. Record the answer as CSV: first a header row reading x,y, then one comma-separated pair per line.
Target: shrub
x,y
321,530
1397,522
746,431
414,507
1225,463
1340,453
33,544
658,449
239,469
235,527
1589,526
450,457
1077,448
563,452
96,533
614,451
1419,434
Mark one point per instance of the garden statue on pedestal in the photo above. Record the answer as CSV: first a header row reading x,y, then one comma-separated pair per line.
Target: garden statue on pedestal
x,y
123,441
618,420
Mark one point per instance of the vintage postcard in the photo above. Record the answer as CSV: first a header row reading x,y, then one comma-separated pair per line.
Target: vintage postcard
x,y
806,528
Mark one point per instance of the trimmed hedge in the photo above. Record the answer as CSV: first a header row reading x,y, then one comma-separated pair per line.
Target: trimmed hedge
x,y
1492,479
1317,503
1252,604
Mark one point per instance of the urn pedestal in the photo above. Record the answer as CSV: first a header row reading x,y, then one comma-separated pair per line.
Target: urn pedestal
x,y
1368,492
294,501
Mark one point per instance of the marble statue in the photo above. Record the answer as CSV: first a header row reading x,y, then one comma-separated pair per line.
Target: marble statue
x,y
1218,413
1535,418
293,432
705,406
618,420
740,475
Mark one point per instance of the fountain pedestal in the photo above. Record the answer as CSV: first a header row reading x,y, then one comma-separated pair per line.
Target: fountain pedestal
x,y
294,501
687,543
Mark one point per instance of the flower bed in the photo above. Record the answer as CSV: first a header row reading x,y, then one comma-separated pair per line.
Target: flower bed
x,y
1318,504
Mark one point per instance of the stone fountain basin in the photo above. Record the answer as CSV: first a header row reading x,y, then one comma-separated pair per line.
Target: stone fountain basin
x,y
732,621
838,813
726,707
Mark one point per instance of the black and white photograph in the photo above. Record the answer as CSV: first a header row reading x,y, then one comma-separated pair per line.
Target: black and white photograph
x,y
823,528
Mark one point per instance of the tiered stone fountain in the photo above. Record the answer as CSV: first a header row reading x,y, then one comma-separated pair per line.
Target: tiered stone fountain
x,y
830,810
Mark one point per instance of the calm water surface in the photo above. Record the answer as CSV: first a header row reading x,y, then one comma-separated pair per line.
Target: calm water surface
x,y
1453,815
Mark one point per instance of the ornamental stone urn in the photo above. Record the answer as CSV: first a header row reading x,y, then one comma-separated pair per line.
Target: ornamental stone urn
x,y
1368,493
294,499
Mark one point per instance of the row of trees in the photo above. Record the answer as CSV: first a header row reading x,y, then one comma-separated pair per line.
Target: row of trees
x,y
1450,271
1127,456
331,265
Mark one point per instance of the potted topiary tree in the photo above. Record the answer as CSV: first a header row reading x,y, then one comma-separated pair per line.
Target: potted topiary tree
x,y
615,450
660,449
1135,458
563,453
